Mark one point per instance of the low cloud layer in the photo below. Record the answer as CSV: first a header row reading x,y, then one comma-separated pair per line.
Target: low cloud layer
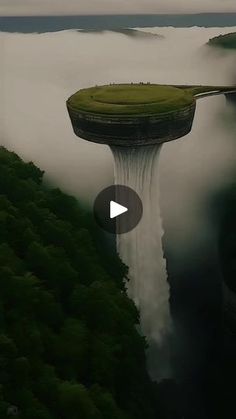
x,y
39,72
70,7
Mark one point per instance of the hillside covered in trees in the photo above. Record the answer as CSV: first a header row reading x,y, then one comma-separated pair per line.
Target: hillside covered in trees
x,y
69,348
227,41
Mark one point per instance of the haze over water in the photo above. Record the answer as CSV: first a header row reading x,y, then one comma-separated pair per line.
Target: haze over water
x,y
40,72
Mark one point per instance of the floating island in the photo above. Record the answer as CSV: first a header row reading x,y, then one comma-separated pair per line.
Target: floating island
x,y
227,41
136,114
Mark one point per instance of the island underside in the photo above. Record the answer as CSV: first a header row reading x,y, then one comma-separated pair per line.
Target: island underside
x,y
133,130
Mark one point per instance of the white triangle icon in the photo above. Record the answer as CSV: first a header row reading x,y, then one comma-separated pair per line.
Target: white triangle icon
x,y
116,209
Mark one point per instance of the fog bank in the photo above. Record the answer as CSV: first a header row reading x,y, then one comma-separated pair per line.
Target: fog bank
x,y
40,72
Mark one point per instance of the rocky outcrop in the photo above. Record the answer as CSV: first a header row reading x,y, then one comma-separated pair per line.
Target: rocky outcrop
x,y
229,309
231,98
132,130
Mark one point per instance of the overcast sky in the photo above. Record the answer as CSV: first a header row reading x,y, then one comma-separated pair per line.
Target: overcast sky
x,y
67,7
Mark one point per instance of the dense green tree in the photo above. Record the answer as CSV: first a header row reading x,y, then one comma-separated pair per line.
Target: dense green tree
x,y
69,346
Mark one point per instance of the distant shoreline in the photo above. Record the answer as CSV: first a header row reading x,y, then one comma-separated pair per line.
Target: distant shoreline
x,y
41,24
125,14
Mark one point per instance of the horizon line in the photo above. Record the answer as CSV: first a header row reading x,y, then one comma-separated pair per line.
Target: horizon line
x,y
119,14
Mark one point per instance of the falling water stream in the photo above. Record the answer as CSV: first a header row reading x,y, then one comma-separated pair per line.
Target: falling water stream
x,y
141,250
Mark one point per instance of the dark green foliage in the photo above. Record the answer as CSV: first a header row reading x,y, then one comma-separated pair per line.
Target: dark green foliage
x,y
227,41
69,348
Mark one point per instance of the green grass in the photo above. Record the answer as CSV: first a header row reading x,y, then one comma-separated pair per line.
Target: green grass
x,y
137,99
227,41
130,99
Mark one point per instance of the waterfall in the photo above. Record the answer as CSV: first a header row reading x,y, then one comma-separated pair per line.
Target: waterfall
x,y
141,250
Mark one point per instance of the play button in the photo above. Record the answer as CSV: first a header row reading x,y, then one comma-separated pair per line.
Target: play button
x,y
118,209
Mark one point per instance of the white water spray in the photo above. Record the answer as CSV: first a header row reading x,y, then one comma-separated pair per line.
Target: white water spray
x,y
141,250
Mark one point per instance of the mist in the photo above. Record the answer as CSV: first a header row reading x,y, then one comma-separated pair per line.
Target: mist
x,y
38,74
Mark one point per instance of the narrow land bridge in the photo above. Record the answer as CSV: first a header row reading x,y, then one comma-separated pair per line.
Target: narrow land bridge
x,y
131,115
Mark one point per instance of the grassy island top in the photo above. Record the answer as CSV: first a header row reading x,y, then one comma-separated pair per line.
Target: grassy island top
x,y
139,99
130,99
227,41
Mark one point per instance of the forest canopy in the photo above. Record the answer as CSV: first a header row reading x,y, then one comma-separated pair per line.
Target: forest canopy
x,y
69,346
227,41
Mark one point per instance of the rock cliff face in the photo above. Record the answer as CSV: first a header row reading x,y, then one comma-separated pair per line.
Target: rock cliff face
x,y
231,98
229,309
132,130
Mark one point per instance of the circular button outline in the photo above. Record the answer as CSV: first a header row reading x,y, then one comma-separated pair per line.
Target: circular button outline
x,y
125,196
